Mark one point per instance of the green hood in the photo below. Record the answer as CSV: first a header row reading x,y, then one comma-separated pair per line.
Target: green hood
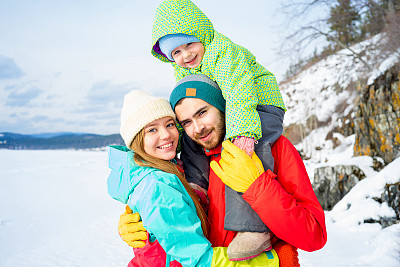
x,y
180,16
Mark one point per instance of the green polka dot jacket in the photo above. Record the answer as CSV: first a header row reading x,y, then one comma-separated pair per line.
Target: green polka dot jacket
x,y
243,81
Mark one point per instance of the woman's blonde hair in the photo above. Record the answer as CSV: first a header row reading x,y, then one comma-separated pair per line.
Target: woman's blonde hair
x,y
143,159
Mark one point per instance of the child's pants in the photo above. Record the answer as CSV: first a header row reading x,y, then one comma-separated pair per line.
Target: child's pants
x,y
239,216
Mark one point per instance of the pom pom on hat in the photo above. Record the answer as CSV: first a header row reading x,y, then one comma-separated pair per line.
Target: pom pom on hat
x,y
138,110
169,42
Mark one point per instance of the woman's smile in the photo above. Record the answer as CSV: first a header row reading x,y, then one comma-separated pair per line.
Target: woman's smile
x,y
166,146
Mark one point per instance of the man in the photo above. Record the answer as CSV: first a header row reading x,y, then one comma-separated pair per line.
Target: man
x,y
283,200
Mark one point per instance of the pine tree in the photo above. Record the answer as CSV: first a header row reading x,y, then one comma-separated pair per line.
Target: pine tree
x,y
343,22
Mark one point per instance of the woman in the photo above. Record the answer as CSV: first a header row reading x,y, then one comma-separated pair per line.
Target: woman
x,y
146,177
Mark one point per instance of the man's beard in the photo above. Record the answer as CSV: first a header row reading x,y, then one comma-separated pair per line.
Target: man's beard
x,y
219,131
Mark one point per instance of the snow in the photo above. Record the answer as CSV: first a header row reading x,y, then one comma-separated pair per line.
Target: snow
x,y
351,242
55,211
390,61
360,200
318,89
367,246
341,155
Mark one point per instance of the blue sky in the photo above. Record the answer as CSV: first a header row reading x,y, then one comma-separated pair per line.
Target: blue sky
x,y
65,65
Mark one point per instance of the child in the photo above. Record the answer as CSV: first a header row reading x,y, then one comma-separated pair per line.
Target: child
x,y
185,37
145,176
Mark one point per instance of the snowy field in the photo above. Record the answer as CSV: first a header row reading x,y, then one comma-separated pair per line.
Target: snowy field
x,y
55,211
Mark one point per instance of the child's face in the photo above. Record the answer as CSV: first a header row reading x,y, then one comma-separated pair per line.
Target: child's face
x,y
161,138
188,55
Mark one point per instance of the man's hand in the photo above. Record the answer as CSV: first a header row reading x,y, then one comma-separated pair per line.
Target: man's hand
x,y
131,229
236,169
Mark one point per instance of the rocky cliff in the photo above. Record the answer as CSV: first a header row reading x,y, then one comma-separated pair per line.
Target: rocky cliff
x,y
335,100
376,126
377,121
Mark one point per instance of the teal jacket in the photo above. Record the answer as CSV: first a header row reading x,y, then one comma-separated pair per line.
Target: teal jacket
x,y
167,211
244,82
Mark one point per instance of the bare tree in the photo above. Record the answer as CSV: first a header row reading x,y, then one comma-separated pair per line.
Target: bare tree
x,y
303,34
346,23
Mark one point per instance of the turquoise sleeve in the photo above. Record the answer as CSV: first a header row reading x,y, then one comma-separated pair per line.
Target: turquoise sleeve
x,y
169,214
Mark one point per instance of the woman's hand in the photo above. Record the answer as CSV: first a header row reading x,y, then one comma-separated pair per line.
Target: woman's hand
x,y
236,169
131,229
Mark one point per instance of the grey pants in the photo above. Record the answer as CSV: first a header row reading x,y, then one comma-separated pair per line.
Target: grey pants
x,y
239,216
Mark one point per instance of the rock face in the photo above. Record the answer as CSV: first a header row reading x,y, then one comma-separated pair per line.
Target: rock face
x,y
377,122
376,126
372,114
331,184
391,196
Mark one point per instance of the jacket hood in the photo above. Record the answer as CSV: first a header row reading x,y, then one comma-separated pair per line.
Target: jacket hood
x,y
125,173
180,16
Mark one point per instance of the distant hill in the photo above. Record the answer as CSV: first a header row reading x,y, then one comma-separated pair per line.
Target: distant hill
x,y
58,141
49,135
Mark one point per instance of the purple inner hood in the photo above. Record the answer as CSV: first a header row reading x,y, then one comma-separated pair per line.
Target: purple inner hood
x,y
157,49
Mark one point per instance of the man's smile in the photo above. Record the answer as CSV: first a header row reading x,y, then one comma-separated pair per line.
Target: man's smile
x,y
206,137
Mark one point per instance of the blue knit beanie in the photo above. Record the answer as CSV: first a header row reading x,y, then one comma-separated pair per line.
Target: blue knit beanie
x,y
198,86
169,42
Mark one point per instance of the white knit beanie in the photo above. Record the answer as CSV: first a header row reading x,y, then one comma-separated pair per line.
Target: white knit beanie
x,y
138,110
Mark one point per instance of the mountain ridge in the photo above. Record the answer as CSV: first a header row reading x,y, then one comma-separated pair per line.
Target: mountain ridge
x,y
59,140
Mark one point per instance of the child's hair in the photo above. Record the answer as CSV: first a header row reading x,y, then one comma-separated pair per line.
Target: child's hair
x,y
143,159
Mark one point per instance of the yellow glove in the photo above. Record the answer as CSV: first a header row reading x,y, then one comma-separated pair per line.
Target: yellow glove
x,y
131,229
236,169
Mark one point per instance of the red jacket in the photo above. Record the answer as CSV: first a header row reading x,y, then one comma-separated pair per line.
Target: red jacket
x,y
284,200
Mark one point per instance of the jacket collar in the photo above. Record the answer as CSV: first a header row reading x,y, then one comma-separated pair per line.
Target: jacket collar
x,y
214,151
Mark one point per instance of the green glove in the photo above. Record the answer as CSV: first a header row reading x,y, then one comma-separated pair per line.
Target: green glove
x,y
236,169
131,229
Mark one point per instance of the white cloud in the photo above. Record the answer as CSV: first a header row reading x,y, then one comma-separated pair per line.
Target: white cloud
x,y
83,56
